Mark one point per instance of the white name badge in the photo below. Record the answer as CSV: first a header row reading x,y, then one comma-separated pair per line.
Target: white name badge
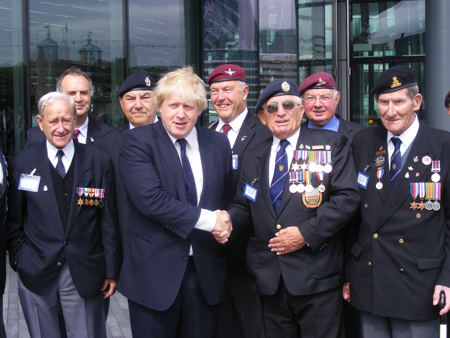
x,y
234,161
363,180
250,192
29,182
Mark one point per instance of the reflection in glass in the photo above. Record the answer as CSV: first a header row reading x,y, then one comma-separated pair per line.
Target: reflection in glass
x,y
83,33
12,85
384,34
230,36
315,27
156,35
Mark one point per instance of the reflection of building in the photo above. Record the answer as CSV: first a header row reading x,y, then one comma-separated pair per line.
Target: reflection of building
x,y
90,54
48,48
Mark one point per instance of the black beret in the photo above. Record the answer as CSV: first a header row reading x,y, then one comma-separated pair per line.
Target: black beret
x,y
137,81
393,79
277,88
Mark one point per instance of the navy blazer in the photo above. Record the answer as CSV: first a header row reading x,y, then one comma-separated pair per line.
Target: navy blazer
x,y
161,220
96,130
318,266
38,241
400,254
3,190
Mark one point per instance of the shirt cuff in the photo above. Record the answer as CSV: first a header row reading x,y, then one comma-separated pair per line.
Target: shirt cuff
x,y
206,221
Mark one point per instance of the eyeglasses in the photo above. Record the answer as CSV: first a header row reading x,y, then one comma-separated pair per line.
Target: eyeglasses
x,y
273,107
322,98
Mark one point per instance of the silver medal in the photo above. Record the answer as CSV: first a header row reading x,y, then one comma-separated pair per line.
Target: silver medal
x,y
301,188
292,188
429,205
327,168
436,205
312,167
309,188
379,185
435,177
319,168
321,188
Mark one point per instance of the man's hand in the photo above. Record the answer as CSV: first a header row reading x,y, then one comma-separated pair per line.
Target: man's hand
x,y
437,293
109,287
287,240
222,229
346,291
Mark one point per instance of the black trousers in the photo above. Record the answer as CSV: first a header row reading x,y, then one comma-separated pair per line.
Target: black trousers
x,y
188,317
308,316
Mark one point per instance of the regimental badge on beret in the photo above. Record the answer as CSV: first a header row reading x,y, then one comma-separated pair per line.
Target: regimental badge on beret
x,y
395,82
148,82
285,86
229,72
320,82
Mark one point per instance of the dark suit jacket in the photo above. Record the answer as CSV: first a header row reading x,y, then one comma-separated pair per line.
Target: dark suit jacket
x,y
348,128
410,252
3,191
161,220
251,135
319,265
37,239
96,130
110,144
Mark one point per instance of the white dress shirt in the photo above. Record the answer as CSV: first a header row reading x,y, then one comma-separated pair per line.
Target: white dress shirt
x,y
132,127
69,151
235,125
289,151
407,137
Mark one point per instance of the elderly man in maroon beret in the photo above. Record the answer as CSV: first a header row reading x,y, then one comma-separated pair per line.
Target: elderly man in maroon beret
x,y
321,98
240,313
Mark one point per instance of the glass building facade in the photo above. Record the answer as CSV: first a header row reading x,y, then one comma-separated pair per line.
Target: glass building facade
x,y
109,39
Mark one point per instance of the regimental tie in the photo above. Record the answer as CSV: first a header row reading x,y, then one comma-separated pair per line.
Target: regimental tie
x,y
187,173
279,176
59,165
226,128
75,134
396,160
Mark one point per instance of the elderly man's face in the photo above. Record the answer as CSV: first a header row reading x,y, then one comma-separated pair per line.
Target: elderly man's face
x,y
282,115
397,110
179,116
138,108
229,99
77,87
57,122
320,105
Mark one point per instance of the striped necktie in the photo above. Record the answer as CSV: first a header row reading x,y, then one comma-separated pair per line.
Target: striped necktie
x,y
279,176
396,160
59,165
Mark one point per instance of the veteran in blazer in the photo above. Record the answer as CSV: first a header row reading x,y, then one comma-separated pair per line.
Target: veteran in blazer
x,y
62,236
240,312
78,85
298,191
400,261
176,177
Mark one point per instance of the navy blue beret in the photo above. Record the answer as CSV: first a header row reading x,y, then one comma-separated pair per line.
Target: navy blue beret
x,y
277,88
137,81
393,79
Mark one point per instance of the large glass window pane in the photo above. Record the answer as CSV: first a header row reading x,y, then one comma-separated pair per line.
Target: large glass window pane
x,y
383,34
230,36
278,40
157,35
316,44
12,84
83,33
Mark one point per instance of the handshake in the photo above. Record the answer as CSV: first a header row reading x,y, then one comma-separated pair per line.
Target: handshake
x,y
222,229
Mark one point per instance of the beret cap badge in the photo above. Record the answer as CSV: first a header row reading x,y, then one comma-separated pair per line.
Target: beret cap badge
x,y
230,72
321,82
148,82
285,86
395,82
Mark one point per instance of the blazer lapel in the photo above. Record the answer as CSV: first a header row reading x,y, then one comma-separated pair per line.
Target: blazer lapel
x,y
262,166
245,135
206,155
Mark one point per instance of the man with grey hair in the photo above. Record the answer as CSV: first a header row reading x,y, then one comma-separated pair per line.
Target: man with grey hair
x,y
240,312
61,233
78,85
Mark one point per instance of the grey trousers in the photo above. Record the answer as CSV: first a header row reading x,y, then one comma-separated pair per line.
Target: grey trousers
x,y
84,318
384,327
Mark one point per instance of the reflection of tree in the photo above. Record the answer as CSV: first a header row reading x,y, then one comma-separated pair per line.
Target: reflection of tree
x,y
364,35
221,20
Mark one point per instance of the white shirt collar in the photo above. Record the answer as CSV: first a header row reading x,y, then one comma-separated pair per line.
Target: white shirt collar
x,y
132,126
82,136
191,138
235,124
292,139
69,151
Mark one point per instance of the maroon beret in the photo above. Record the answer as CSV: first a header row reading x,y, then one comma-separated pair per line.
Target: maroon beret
x,y
227,72
319,80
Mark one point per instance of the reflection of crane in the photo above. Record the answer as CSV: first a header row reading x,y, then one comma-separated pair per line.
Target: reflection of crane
x,y
65,46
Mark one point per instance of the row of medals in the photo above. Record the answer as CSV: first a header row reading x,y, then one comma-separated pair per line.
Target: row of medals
x,y
435,177
301,186
92,202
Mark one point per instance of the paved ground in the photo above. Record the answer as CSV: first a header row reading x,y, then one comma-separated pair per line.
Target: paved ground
x,y
118,324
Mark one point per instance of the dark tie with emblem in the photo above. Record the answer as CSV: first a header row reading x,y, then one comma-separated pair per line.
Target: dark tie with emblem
x,y
226,128
75,134
59,165
279,176
396,160
187,172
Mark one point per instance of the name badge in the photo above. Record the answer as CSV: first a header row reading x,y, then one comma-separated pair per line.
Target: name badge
x,y
363,180
29,182
234,161
250,192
